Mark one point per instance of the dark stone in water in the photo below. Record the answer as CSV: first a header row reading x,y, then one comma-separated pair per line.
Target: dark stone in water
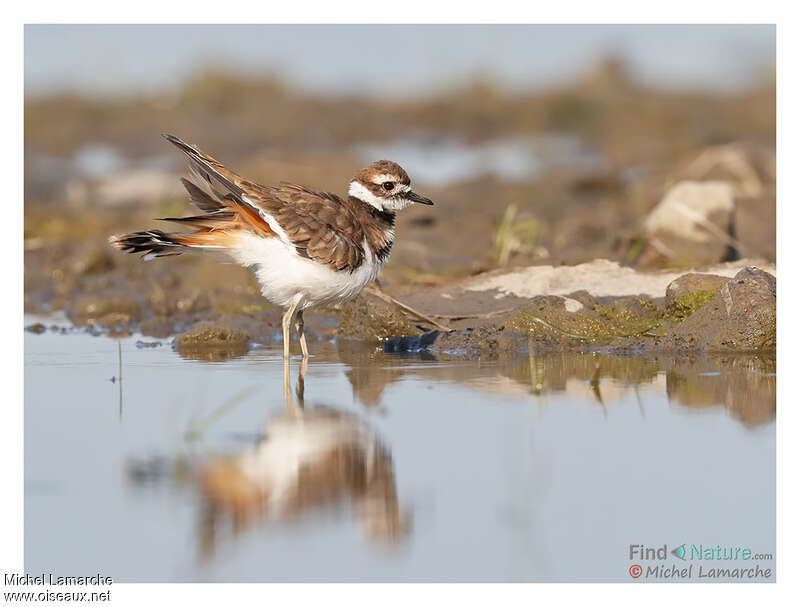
x,y
148,470
212,341
147,344
406,343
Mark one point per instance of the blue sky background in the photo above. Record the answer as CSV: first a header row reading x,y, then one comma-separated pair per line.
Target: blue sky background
x,y
383,60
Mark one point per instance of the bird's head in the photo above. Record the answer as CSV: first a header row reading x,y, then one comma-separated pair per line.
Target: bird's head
x,y
385,186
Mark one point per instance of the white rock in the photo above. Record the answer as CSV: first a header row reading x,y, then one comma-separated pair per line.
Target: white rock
x,y
692,222
678,211
601,278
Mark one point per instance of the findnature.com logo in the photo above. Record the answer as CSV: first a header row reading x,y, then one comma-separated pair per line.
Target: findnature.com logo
x,y
697,552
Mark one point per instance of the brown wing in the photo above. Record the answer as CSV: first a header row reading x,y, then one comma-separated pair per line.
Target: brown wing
x,y
318,224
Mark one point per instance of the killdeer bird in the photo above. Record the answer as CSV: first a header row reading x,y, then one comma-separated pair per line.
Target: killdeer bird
x,y
307,249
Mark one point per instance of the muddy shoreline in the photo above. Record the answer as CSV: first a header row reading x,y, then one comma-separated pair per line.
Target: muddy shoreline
x,y
596,306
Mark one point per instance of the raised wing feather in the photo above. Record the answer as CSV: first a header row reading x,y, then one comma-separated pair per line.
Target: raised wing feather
x,y
318,224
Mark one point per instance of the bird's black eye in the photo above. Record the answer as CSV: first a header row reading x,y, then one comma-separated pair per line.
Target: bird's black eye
x,y
388,186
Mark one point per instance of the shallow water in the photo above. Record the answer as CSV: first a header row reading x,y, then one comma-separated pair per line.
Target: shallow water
x,y
398,468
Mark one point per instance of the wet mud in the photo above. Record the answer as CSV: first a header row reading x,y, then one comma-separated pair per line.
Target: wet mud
x,y
215,312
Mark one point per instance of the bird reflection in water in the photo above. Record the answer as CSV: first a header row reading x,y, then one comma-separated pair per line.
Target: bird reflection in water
x,y
307,459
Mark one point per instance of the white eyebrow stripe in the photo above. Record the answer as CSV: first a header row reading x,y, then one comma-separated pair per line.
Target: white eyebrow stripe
x,y
383,177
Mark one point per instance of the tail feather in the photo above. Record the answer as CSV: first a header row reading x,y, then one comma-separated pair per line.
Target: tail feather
x,y
155,243
152,243
210,221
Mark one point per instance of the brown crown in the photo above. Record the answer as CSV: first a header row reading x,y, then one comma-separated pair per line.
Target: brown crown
x,y
382,167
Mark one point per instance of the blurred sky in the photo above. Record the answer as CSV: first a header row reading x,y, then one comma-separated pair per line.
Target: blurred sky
x,y
382,60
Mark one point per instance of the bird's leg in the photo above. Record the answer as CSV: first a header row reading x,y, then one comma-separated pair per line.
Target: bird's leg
x,y
287,323
288,317
298,325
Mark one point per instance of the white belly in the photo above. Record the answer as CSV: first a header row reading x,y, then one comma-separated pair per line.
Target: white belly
x,y
283,274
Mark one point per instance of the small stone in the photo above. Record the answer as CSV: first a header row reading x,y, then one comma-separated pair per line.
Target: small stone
x,y
691,291
147,344
213,341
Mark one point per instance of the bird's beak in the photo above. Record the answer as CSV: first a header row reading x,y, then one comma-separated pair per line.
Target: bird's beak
x,y
414,197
